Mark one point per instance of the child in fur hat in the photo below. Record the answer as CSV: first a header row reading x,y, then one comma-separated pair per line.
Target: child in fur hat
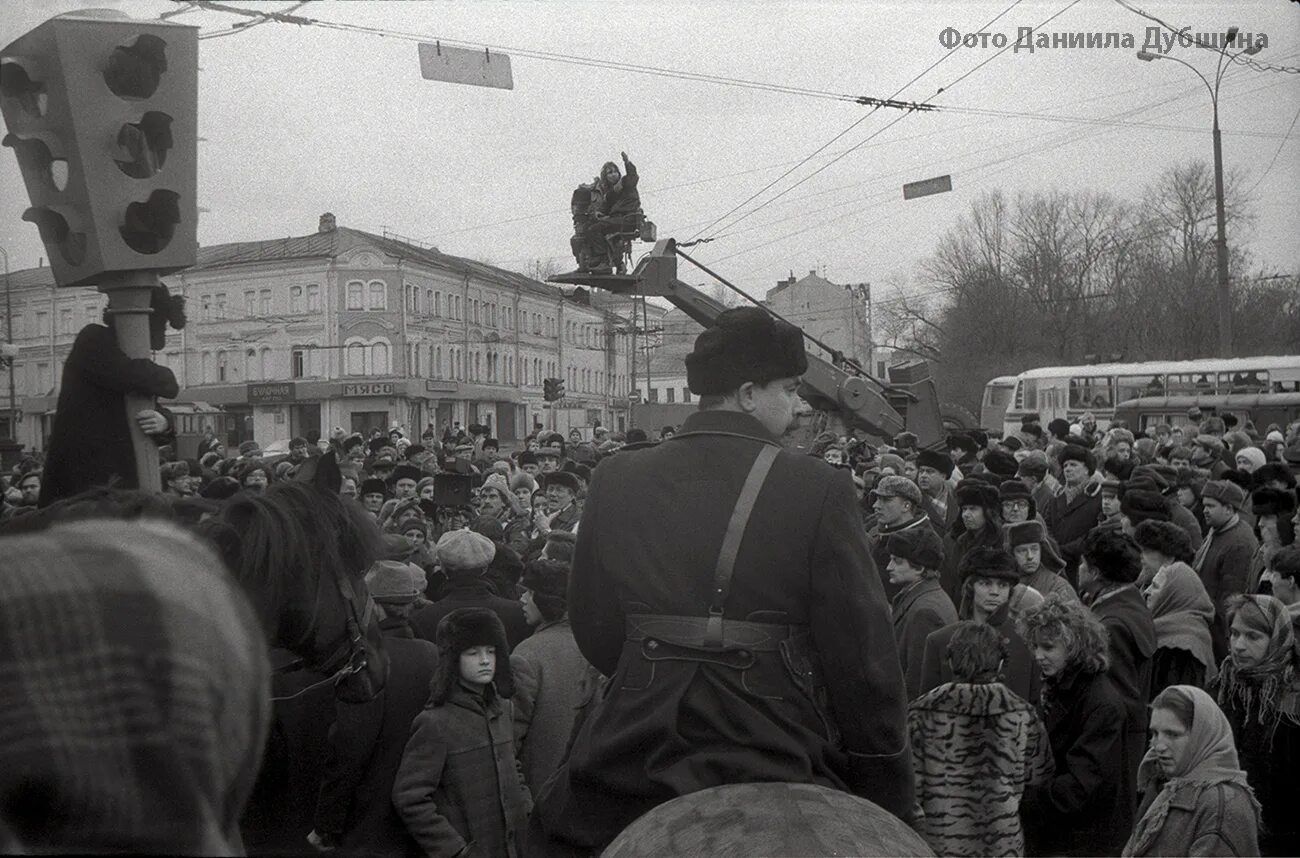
x,y
459,789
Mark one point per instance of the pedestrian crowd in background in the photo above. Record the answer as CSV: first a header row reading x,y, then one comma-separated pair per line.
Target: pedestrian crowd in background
x,y
1097,633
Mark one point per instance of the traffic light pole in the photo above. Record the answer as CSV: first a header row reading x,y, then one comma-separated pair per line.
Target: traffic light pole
x,y
128,306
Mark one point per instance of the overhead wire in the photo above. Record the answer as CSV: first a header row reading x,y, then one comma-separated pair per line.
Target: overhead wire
x,y
1238,59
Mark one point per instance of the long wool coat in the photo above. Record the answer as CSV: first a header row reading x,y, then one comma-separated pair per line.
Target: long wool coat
x,y
551,678
974,750
459,782
919,611
649,541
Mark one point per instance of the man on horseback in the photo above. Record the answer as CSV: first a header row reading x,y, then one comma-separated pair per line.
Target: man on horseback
x,y
743,643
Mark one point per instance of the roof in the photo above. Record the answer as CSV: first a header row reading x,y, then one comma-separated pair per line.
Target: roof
x,y
810,279
343,240
1166,367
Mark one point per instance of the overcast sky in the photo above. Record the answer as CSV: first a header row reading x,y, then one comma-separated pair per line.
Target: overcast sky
x,y
302,120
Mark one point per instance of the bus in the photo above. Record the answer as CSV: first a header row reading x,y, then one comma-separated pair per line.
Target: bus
x,y
1069,392
997,398
1262,409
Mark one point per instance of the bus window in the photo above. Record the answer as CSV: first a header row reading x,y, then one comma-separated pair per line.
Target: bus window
x,y
1091,392
1250,381
1182,384
1285,387
1134,386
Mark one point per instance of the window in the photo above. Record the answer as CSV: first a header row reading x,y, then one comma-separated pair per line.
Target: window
x,y
206,368
436,369
221,305
437,304
428,302
356,295
206,301
295,299
686,394
250,303
356,359
298,363
251,365
670,391
90,314
42,324
65,321
266,302
379,359
1090,392
313,298
221,366
378,295
654,394
1249,381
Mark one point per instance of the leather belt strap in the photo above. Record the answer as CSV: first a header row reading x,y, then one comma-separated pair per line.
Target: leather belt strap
x,y
692,632
726,566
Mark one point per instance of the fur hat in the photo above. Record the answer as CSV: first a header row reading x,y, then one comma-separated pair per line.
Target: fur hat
x,y
1140,506
919,546
1077,453
523,481
744,344
1026,532
1001,462
464,551
941,462
977,493
352,441
963,442
1225,492
1272,502
377,444
1014,490
248,447
548,579
372,485
561,478
1012,443
1274,471
393,581
988,563
458,631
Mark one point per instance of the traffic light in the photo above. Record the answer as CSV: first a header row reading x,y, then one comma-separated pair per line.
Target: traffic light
x,y
552,389
102,116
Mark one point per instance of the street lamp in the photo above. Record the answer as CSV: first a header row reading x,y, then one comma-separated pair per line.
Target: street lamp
x,y
1223,294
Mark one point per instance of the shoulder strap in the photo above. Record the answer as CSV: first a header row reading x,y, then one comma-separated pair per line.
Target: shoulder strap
x,y
731,542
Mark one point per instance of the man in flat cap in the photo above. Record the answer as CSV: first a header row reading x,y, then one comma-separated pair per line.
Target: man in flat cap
x,y
464,556
726,587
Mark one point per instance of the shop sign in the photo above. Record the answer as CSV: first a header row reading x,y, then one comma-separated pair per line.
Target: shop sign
x,y
377,388
282,391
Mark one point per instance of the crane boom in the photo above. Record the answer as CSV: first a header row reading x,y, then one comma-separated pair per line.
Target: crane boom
x,y
844,392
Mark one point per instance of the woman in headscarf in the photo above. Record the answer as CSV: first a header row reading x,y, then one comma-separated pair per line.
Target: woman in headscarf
x,y
1180,608
1196,799
1258,690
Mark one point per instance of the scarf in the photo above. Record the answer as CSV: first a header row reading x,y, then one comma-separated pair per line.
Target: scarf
x,y
1209,759
1199,560
1269,688
1182,612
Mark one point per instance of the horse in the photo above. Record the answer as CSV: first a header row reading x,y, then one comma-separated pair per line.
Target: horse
x,y
300,551
737,820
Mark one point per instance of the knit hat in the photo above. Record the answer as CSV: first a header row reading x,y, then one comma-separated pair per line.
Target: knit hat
x,y
1254,455
1140,506
919,546
458,631
1076,453
1272,502
941,462
1012,443
1001,463
393,581
464,551
988,563
895,461
744,344
1225,492
894,486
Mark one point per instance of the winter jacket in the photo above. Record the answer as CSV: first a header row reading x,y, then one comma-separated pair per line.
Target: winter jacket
x,y
1205,820
459,783
1268,746
1224,566
974,750
1082,809
1131,635
1020,672
471,592
551,682
1069,521
919,610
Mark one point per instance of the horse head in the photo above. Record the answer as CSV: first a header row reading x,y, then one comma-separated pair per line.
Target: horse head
x,y
300,551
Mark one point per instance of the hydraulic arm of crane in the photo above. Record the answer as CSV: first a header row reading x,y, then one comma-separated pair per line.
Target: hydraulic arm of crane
x,y
859,400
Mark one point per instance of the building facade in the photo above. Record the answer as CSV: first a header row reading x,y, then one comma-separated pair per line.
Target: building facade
x,y
344,328
838,315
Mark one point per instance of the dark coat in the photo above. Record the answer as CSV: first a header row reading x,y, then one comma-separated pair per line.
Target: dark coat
x,y
1068,522
471,592
458,783
90,443
1132,643
1082,810
648,544
623,198
1223,571
366,750
919,611
1020,673
878,538
1269,752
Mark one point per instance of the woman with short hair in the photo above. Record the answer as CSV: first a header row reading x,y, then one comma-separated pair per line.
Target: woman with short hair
x,y
1082,809
1196,800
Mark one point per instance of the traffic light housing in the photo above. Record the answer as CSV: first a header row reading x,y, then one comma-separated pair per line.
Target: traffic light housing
x,y
552,389
102,115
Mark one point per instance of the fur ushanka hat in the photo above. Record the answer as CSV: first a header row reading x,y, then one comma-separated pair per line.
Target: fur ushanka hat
x,y
744,344
458,631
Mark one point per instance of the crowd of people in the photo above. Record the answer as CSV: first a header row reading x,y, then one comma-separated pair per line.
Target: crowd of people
x,y
1093,647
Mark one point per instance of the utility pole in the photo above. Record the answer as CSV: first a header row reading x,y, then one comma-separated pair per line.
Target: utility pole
x,y
9,338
